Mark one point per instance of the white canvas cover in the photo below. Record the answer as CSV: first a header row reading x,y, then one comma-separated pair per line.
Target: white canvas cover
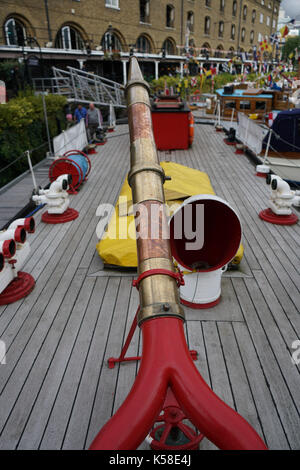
x,y
73,139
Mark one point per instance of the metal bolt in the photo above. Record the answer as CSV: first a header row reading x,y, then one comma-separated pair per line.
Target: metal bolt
x,y
166,307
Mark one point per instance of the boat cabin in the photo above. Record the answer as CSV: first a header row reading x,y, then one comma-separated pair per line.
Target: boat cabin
x,y
286,142
249,101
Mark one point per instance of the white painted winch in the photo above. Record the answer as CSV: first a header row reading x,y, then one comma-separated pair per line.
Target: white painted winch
x,y
203,261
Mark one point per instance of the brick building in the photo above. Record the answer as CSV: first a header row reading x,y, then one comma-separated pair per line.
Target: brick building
x,y
101,34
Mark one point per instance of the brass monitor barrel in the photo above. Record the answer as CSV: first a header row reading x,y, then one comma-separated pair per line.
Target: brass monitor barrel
x,y
159,294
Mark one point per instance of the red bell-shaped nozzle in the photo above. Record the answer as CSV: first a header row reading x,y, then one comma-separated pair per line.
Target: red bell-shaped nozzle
x,y
205,233
8,248
29,224
20,235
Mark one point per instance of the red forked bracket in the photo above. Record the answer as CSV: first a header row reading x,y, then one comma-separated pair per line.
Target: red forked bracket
x,y
113,360
166,363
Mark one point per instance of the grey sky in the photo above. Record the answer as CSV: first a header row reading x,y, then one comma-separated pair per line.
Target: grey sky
x,y
292,8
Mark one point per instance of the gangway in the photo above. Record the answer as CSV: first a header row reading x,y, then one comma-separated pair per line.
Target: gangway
x,y
82,87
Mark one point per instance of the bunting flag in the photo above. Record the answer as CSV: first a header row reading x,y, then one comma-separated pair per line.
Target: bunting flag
x,y
284,31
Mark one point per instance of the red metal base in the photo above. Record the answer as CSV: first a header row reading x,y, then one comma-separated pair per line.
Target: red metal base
x,y
91,151
268,216
67,216
219,130
101,143
262,175
111,130
164,366
200,306
227,142
173,434
19,288
239,151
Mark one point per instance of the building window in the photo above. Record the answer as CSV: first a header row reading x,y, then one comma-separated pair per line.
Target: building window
x,y
208,3
170,16
270,5
253,16
234,8
221,29
145,11
112,3
69,38
275,10
169,47
190,21
222,5
245,12
110,42
15,32
243,34
252,36
259,37
143,44
207,25
261,18
262,2
232,31
274,24
268,21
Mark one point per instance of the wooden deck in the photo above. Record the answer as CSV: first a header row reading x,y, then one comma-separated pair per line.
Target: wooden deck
x,y
56,390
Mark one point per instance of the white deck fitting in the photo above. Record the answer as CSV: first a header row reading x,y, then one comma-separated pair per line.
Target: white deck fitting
x,y
56,390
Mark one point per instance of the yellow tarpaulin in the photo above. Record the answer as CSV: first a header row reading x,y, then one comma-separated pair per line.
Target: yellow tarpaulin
x,y
118,245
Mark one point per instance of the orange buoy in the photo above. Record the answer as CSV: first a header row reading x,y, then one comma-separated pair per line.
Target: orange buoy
x,y
191,128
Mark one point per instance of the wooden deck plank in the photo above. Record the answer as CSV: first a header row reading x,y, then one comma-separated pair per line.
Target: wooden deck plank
x,y
57,391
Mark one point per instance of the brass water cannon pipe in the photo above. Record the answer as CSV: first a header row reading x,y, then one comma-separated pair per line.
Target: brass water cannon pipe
x,y
159,294
166,365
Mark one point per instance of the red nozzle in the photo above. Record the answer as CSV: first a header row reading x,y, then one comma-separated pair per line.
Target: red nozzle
x,y
8,248
20,235
29,225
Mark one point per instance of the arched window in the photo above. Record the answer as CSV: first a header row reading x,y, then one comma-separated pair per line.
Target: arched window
x,y
143,44
230,53
208,3
190,21
245,12
222,5
251,37
219,51
253,16
207,25
169,46
232,31
243,35
205,49
69,38
15,32
145,11
110,42
221,29
170,16
234,7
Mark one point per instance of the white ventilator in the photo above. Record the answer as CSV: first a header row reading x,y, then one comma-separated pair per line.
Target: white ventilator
x,y
56,197
205,235
282,197
112,117
14,249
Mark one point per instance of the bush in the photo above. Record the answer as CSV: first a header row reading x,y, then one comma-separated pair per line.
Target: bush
x,y
22,127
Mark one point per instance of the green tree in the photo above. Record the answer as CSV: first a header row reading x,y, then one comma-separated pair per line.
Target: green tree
x,y
290,45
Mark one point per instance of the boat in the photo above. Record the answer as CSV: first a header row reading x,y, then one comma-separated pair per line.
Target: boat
x,y
57,387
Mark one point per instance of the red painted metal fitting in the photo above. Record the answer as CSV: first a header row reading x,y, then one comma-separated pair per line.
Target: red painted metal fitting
x,y
19,288
29,225
8,248
67,216
269,216
20,235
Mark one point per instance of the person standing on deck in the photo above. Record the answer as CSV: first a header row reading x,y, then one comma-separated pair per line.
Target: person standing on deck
x,y
80,113
93,120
